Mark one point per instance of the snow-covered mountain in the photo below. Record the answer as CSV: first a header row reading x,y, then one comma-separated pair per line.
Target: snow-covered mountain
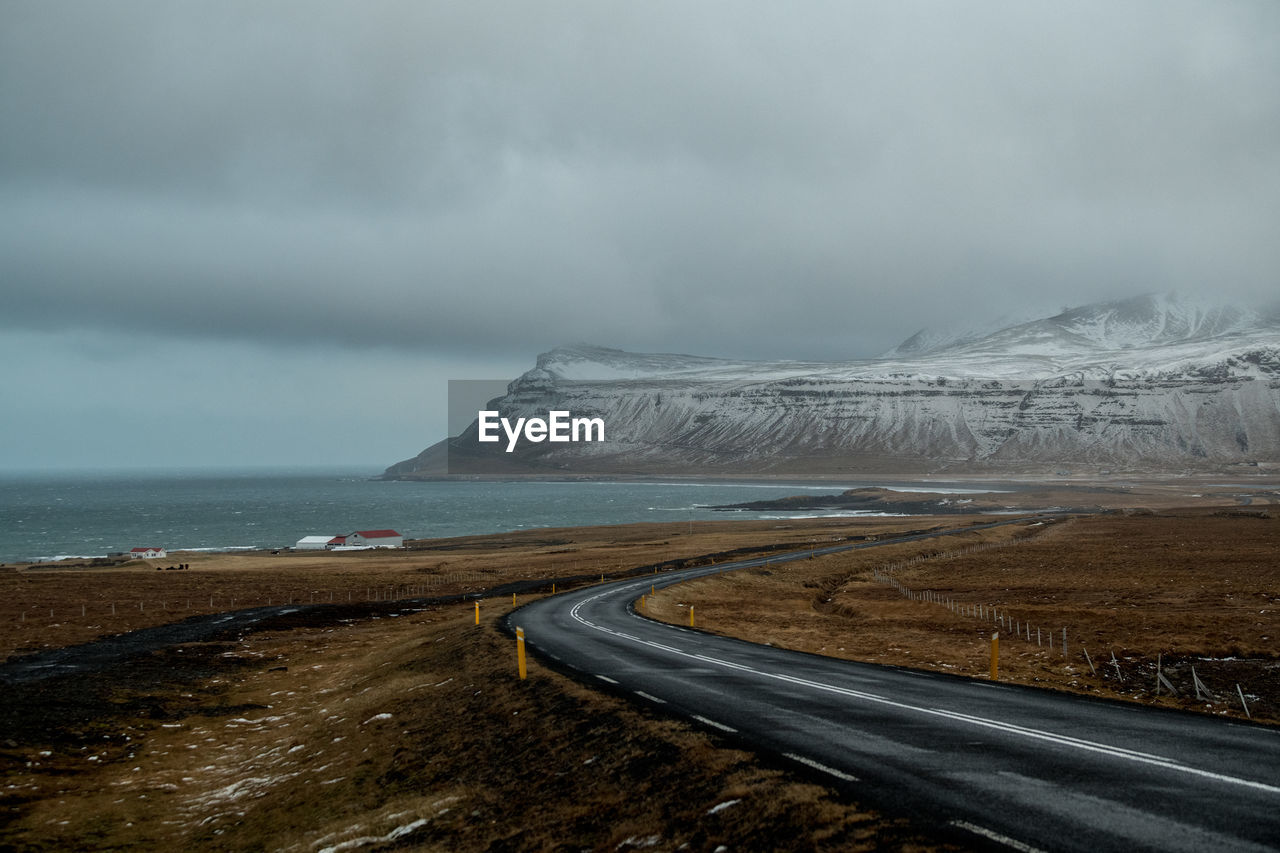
x,y
1155,382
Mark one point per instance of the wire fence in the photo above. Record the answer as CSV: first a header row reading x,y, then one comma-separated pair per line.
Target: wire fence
x,y
1178,679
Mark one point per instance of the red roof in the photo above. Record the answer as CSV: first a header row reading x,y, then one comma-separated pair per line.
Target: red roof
x,y
140,550
337,540
377,534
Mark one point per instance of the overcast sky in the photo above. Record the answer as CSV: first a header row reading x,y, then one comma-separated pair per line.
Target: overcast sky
x,y
250,233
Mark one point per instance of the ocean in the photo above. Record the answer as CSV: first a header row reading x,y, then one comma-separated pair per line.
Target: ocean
x,y
52,516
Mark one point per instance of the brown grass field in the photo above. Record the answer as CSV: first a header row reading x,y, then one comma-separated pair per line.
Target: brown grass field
x,y
404,727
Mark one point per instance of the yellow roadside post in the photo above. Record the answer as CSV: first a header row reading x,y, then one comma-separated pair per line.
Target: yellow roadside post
x,y
690,615
553,587
995,656
642,604
513,599
477,611
520,664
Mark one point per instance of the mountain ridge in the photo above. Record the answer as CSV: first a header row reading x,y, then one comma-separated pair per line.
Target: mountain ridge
x,y
1153,382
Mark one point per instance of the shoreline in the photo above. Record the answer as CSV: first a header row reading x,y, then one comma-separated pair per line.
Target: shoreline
x,y
904,496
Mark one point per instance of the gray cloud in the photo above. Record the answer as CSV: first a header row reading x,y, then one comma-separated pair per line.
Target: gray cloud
x,y
811,181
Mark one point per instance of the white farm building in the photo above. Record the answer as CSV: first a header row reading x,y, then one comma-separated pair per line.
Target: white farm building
x,y
359,540
372,539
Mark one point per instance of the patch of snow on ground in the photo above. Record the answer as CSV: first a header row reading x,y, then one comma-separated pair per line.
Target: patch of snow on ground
x,y
240,788
722,806
364,841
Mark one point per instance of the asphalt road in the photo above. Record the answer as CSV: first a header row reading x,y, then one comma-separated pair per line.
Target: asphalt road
x,y
991,763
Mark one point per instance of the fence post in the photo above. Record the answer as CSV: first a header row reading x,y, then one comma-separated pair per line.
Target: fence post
x,y
995,656
1090,660
1242,702
1200,686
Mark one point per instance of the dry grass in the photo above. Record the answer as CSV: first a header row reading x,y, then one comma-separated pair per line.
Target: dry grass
x,y
408,731
1186,588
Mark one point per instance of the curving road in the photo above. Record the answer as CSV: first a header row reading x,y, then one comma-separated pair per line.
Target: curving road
x,y
990,763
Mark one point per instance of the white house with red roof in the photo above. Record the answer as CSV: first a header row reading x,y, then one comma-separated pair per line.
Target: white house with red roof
x,y
359,541
153,553
374,539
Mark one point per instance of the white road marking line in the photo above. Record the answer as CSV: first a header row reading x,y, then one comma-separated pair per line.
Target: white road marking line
x,y
1116,751
606,678
809,762
715,725
995,836
1063,740
650,697
1044,735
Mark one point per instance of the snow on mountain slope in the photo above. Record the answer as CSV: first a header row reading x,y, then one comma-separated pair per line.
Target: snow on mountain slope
x,y
930,340
1152,336
1154,382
